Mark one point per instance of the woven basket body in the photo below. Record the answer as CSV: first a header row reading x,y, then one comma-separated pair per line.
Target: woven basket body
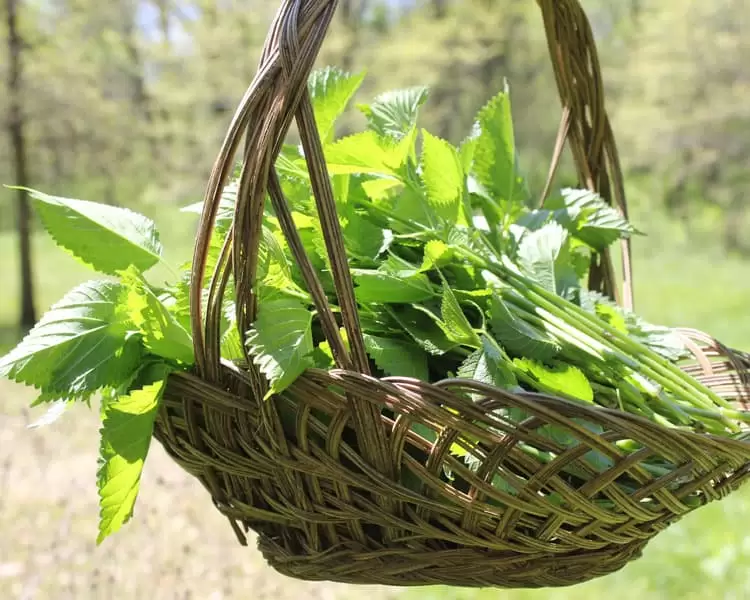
x,y
330,474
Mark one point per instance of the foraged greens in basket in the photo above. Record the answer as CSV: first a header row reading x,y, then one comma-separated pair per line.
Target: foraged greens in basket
x,y
456,275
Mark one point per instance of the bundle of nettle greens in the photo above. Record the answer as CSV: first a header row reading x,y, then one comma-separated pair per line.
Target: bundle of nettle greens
x,y
456,275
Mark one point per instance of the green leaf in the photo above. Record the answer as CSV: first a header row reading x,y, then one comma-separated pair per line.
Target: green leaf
x,y
518,336
612,316
395,357
292,170
466,151
557,379
52,414
590,218
436,254
225,211
381,187
410,207
280,341
443,177
161,333
125,439
231,344
538,253
571,267
662,340
456,324
423,330
105,237
563,438
393,113
425,432
331,89
364,152
488,365
495,152
80,345
389,288
363,238
274,269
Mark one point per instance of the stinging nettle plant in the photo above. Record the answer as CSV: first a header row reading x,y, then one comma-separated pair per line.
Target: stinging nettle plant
x,y
456,272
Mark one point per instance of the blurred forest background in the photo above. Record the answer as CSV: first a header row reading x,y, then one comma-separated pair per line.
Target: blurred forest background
x,y
127,101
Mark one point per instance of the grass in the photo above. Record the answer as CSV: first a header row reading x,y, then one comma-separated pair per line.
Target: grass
x,y
177,546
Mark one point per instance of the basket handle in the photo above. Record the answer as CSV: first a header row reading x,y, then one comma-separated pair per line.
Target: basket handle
x,y
279,93
585,126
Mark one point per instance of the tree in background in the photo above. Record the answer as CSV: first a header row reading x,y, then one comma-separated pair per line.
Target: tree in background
x,y
16,133
684,118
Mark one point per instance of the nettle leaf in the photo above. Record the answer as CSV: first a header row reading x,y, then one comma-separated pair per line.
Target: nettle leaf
x,y
376,286
518,336
488,365
274,269
393,113
495,164
295,178
381,187
454,319
565,440
410,206
225,211
571,267
395,357
363,238
467,149
160,331
365,152
534,219
423,329
436,254
107,238
590,218
662,340
52,414
557,378
126,432
612,316
231,344
443,177
538,253
344,189
79,346
280,341
331,89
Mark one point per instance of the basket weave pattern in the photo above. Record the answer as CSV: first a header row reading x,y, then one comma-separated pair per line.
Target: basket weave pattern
x,y
329,473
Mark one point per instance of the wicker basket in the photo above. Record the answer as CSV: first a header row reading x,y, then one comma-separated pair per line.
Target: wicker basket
x,y
318,472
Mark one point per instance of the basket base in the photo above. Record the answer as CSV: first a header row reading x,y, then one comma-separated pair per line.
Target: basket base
x,y
470,567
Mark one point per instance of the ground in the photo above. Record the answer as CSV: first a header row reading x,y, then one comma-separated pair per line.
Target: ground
x,y
176,547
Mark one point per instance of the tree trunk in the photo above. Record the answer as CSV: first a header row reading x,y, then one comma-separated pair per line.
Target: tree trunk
x,y
139,94
16,132
439,9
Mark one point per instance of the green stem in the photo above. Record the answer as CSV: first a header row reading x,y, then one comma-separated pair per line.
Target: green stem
x,y
553,308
